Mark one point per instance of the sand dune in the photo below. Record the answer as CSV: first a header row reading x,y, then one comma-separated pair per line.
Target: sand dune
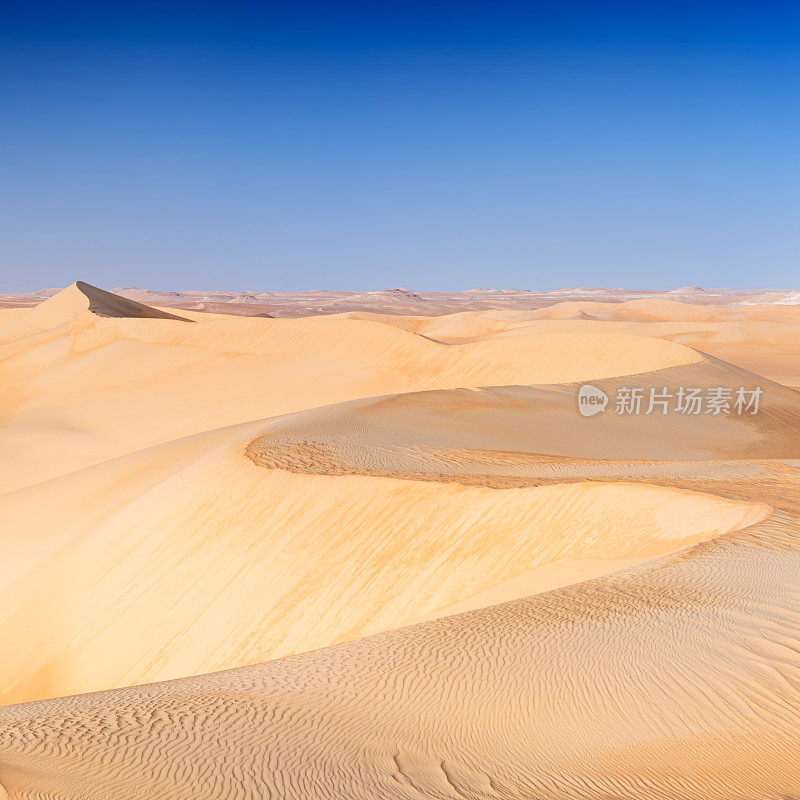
x,y
761,338
673,679
63,308
92,388
536,431
240,567
180,499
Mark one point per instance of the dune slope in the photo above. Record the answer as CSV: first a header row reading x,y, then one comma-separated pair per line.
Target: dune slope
x,y
537,431
188,558
77,389
762,338
678,678
80,297
383,486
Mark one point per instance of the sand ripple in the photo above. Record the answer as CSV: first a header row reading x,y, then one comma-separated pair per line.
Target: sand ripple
x,y
679,678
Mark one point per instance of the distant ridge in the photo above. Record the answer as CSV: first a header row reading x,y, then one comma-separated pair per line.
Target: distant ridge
x,y
401,300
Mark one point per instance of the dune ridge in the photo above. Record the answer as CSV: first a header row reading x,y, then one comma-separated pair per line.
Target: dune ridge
x,y
254,571
81,297
656,681
536,431
82,389
761,338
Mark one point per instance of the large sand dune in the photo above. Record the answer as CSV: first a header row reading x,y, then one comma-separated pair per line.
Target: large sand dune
x,y
761,338
70,304
184,498
77,388
240,567
537,431
678,678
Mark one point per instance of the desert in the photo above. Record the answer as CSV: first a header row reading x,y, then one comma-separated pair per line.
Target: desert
x,y
399,400
375,550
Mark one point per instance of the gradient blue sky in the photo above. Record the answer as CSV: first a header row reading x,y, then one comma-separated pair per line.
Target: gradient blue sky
x,y
438,145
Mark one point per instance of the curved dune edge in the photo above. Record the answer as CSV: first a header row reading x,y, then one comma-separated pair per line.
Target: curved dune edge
x,y
675,678
254,571
499,433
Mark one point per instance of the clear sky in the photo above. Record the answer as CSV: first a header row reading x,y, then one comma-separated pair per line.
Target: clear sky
x,y
437,145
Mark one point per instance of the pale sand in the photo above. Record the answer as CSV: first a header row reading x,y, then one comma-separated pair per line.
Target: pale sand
x,y
673,678
761,338
92,388
250,569
537,431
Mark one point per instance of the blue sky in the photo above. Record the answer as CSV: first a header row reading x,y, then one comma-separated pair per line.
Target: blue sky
x,y
439,145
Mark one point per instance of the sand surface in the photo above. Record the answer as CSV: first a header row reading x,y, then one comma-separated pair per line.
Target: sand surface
x,y
183,496
250,570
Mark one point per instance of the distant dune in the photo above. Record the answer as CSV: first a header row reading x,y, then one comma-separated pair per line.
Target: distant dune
x,y
79,297
404,301
98,387
535,431
599,607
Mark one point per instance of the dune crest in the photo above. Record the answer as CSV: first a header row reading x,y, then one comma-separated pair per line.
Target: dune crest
x,y
531,432
677,678
255,571
113,385
78,298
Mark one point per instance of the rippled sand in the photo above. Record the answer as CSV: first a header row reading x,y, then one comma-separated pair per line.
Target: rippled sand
x,y
673,672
